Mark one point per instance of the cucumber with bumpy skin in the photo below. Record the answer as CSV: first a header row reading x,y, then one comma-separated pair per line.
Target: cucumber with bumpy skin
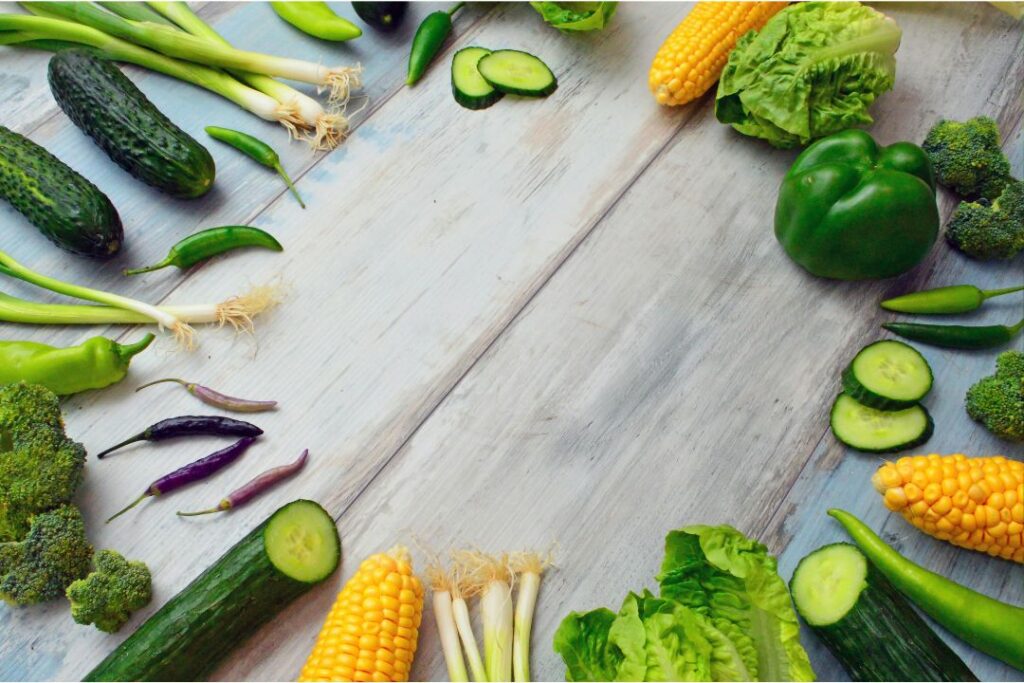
x,y
101,101
296,548
517,73
866,623
888,375
72,212
879,431
468,86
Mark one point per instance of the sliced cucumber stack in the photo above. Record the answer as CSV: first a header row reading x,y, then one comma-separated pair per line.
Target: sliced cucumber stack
x,y
468,86
517,73
888,375
879,431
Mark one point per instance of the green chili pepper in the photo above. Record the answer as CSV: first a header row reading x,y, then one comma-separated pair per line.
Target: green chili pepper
x,y
317,19
97,363
957,336
209,243
944,300
428,40
255,149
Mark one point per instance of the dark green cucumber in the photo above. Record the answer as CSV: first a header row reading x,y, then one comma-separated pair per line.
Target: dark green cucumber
x,y
101,101
879,431
383,16
468,86
866,623
66,207
888,375
293,550
517,73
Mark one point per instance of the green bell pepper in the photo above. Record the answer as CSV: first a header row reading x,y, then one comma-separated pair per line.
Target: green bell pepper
x,y
851,210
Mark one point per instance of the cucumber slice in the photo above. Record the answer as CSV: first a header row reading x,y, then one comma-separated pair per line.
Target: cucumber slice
x,y
302,542
866,623
468,86
888,375
879,431
517,73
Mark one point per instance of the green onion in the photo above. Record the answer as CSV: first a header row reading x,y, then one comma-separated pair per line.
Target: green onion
x,y
441,585
493,579
528,568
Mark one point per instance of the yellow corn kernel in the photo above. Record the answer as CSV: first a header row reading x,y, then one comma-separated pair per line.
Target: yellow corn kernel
x,y
691,59
975,503
357,641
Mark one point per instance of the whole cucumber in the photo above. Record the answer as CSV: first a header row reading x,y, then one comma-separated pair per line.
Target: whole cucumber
x,y
66,207
101,101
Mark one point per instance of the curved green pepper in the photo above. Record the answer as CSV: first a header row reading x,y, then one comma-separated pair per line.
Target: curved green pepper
x,y
97,363
851,210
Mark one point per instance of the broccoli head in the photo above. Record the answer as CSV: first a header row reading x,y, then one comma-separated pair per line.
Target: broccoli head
x,y
40,468
967,157
108,596
997,401
990,231
54,553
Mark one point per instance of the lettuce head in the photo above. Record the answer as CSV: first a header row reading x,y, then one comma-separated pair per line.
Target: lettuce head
x,y
576,16
812,70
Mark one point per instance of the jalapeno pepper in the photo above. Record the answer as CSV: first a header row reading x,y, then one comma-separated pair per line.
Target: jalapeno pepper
x,y
428,40
957,336
209,243
945,300
97,363
256,150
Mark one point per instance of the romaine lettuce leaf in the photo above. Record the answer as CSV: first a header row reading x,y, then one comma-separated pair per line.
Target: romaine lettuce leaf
x,y
590,648
812,70
576,16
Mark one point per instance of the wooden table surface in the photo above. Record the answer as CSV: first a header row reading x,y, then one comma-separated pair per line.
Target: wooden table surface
x,y
559,321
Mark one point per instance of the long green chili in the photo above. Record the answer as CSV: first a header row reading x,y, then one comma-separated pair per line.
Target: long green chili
x,y
957,336
206,244
428,40
97,363
255,149
945,300
317,19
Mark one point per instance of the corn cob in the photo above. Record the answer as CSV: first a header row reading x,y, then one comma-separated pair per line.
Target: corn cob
x,y
372,629
691,59
975,503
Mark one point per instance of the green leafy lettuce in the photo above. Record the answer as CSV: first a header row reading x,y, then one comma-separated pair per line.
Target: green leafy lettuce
x,y
723,615
813,70
576,16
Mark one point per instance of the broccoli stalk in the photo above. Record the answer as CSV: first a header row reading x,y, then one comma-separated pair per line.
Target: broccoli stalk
x,y
53,554
108,595
968,158
997,401
990,231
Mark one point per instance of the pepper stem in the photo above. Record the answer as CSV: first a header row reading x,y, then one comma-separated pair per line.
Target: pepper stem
x,y
135,502
169,261
138,437
1016,328
455,8
288,181
989,293
127,351
201,512
187,385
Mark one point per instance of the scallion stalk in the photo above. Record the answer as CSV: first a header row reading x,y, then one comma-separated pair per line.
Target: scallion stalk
x,y
441,584
528,567
462,588
493,578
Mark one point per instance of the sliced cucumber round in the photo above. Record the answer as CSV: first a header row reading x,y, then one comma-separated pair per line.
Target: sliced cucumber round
x,y
301,541
827,583
888,375
468,86
517,73
879,431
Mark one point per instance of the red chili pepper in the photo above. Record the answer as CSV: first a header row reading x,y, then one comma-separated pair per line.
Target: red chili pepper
x,y
255,487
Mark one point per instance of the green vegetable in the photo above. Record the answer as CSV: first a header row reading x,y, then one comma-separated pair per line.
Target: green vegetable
x,y
997,401
206,244
427,42
40,467
887,375
468,87
851,210
957,336
870,628
517,73
968,157
576,16
67,208
136,135
813,70
296,548
879,431
136,11
383,16
980,621
97,363
254,149
53,554
724,614
111,592
945,300
317,19
988,231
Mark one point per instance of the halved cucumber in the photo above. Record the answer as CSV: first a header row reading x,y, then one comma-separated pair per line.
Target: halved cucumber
x,y
879,431
888,375
468,86
518,73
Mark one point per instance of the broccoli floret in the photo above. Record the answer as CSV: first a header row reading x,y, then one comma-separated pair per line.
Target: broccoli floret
x,y
968,158
54,553
40,467
108,596
997,401
990,231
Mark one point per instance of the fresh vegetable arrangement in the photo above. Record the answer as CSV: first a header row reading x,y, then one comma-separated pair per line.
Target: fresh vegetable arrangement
x,y
94,364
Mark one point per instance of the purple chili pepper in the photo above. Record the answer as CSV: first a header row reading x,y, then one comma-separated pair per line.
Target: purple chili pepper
x,y
255,487
215,398
200,469
190,425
